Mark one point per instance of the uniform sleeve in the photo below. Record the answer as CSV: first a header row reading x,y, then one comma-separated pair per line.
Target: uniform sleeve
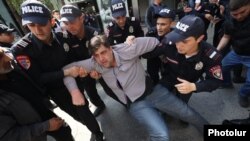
x,y
13,132
160,49
109,34
26,60
139,32
148,17
213,71
69,81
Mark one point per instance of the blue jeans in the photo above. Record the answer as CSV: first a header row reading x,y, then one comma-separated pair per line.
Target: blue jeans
x,y
146,112
167,102
150,118
228,62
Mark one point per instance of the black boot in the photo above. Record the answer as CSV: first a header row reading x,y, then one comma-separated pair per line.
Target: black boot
x,y
99,137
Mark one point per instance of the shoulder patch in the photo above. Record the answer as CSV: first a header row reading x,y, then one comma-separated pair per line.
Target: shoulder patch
x,y
132,18
24,61
216,72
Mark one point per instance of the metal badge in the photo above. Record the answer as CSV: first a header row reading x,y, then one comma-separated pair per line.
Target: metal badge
x,y
131,29
66,47
87,44
199,66
95,33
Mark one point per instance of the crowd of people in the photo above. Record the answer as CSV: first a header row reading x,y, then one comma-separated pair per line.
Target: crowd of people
x,y
62,58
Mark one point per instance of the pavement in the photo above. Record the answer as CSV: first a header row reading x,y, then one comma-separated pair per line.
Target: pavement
x,y
118,125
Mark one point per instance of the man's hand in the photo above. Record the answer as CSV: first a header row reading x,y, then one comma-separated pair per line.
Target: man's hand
x,y
55,123
130,40
77,98
187,9
185,87
95,75
5,61
82,72
72,71
209,17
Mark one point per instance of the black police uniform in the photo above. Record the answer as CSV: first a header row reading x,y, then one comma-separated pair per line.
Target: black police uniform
x,y
154,64
20,83
44,64
80,52
117,35
207,61
152,10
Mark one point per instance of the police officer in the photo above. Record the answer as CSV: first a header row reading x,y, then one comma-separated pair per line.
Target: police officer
x,y
164,23
188,59
152,10
6,36
122,27
20,93
42,54
79,36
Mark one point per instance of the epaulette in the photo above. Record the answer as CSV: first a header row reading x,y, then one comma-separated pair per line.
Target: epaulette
x,y
65,34
212,54
132,19
23,42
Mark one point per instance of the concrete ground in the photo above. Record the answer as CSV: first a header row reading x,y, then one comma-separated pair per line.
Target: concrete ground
x,y
118,125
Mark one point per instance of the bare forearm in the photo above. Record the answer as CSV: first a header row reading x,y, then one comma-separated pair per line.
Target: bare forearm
x,y
223,42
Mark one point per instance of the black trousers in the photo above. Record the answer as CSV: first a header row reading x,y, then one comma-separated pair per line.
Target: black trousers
x,y
62,134
80,113
89,84
153,68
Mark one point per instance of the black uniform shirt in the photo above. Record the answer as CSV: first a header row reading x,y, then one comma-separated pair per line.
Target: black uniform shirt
x,y
240,35
43,62
117,35
153,33
80,47
207,61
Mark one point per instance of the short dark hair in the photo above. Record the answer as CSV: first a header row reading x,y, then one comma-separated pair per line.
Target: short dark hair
x,y
97,41
236,4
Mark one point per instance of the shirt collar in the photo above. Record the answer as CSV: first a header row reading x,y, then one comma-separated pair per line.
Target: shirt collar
x,y
39,43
